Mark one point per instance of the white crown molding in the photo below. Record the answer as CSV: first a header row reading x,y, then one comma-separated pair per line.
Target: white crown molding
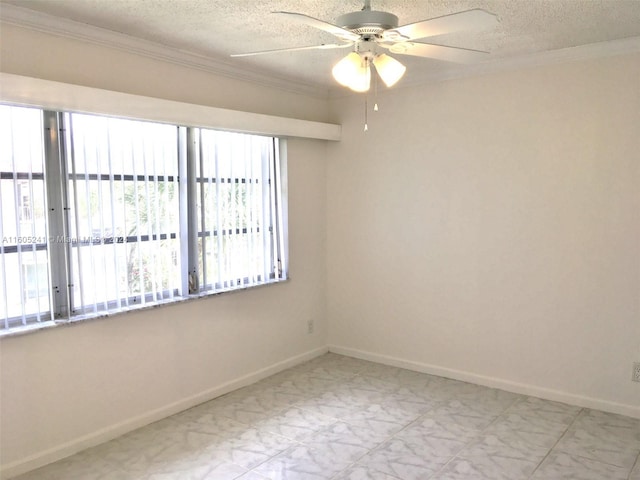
x,y
30,19
592,51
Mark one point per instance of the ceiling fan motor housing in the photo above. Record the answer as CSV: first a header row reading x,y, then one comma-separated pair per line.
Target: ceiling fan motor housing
x,y
367,22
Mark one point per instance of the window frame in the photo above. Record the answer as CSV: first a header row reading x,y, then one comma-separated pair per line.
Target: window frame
x,y
56,143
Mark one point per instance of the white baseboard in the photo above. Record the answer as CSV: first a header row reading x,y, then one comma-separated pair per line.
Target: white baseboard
x,y
113,431
521,388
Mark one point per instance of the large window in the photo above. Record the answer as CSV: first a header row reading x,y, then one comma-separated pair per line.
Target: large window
x,y
103,214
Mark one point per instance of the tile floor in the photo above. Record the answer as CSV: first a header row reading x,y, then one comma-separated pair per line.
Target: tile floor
x,y
340,418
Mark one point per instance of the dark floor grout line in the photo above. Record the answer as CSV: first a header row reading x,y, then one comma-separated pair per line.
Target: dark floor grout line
x,y
575,419
355,462
580,413
636,464
577,455
372,450
470,442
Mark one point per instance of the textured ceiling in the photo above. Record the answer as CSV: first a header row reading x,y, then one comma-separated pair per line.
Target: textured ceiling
x,y
217,28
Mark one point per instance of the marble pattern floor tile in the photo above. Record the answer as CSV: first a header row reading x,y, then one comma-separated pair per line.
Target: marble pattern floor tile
x,y
341,418
603,445
333,404
553,411
464,428
605,419
249,449
361,472
402,459
503,432
341,433
508,446
487,468
408,402
252,475
223,471
295,423
440,450
302,463
525,423
603,437
352,393
562,466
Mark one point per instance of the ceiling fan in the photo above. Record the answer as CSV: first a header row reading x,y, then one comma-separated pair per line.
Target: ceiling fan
x,y
369,33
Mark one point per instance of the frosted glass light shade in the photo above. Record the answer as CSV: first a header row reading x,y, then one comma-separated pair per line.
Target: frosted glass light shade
x,y
389,69
353,71
346,69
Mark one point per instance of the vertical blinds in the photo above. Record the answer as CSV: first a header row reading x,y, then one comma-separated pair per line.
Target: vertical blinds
x,y
235,178
124,217
24,274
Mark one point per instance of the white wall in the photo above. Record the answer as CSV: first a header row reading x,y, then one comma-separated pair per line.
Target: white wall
x,y
489,229
63,388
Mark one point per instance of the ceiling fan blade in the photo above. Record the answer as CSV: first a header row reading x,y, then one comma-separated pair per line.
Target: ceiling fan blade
x,y
468,20
322,25
439,52
326,46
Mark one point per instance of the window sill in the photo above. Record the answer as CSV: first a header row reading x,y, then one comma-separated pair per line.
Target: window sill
x,y
36,327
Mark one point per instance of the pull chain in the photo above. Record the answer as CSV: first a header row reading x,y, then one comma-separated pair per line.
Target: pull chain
x,y
375,92
366,126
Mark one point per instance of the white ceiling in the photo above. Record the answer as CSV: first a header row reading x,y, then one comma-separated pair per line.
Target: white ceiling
x,y
217,28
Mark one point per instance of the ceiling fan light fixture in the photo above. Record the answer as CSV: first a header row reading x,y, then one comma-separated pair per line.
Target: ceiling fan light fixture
x,y
367,31
389,69
353,71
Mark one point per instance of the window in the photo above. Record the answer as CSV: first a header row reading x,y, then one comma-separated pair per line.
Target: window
x,y
24,278
104,214
236,205
124,216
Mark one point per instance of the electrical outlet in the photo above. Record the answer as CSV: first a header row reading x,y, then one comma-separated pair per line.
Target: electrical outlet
x,y
310,326
636,372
